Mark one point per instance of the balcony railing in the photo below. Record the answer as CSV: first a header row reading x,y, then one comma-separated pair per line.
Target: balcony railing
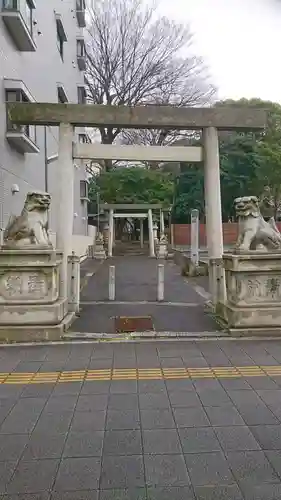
x,y
18,18
22,138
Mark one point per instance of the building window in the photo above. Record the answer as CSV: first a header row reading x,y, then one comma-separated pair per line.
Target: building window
x,y
81,54
80,4
25,7
21,137
62,96
83,190
18,17
17,95
28,16
61,35
82,95
81,13
13,96
60,43
84,139
81,47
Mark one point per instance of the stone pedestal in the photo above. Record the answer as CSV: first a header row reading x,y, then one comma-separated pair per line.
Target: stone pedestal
x,y
162,250
217,282
31,307
253,290
99,251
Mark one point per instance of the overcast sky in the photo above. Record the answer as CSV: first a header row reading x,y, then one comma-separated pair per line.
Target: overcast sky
x,y
240,41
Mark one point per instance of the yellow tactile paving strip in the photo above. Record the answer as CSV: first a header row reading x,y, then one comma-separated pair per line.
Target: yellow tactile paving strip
x,y
140,374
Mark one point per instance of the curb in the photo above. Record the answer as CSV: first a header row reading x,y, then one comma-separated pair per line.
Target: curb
x,y
150,335
85,280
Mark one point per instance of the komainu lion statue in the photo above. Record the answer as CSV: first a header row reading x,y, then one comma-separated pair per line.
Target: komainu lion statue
x,y
254,233
30,228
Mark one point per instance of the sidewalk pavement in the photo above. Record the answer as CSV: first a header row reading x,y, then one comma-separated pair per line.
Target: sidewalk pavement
x,y
157,420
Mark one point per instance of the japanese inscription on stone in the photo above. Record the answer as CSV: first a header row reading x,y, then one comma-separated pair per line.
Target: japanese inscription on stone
x,y
36,285
262,289
273,288
24,286
13,285
256,289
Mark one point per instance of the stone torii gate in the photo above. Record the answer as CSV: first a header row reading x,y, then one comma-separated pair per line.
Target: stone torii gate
x,y
139,211
209,120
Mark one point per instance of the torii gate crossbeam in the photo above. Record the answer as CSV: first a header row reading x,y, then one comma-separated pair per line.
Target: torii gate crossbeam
x,y
96,151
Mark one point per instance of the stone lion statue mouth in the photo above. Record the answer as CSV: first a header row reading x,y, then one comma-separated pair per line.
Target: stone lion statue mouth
x,y
247,205
254,233
30,228
37,201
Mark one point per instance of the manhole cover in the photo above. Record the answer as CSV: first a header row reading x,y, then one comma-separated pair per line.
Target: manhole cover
x,y
127,324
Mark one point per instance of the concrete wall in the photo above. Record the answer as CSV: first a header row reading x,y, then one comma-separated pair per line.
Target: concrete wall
x,y
40,71
80,242
182,234
230,233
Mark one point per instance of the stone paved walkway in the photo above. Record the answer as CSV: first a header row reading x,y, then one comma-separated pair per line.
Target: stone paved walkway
x,y
136,281
206,436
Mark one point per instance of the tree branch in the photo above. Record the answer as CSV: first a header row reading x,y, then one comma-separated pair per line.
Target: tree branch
x,y
136,57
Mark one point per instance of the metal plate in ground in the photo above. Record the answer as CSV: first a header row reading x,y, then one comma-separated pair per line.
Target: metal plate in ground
x,y
128,324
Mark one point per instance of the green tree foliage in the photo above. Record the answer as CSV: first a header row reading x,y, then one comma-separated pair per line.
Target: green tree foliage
x,y
262,156
249,162
189,193
133,185
239,162
269,150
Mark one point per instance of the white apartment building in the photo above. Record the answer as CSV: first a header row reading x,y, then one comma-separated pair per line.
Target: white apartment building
x,y
42,58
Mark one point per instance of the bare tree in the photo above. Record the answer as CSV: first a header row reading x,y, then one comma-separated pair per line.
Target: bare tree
x,y
136,57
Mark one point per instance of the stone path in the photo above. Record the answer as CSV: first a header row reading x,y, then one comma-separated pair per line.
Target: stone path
x,y
154,435
136,295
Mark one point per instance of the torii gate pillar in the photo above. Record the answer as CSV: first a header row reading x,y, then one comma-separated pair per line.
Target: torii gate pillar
x,y
65,202
213,214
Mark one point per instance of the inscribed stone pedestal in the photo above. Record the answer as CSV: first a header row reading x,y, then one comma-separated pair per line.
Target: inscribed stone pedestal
x,y
253,284
31,306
